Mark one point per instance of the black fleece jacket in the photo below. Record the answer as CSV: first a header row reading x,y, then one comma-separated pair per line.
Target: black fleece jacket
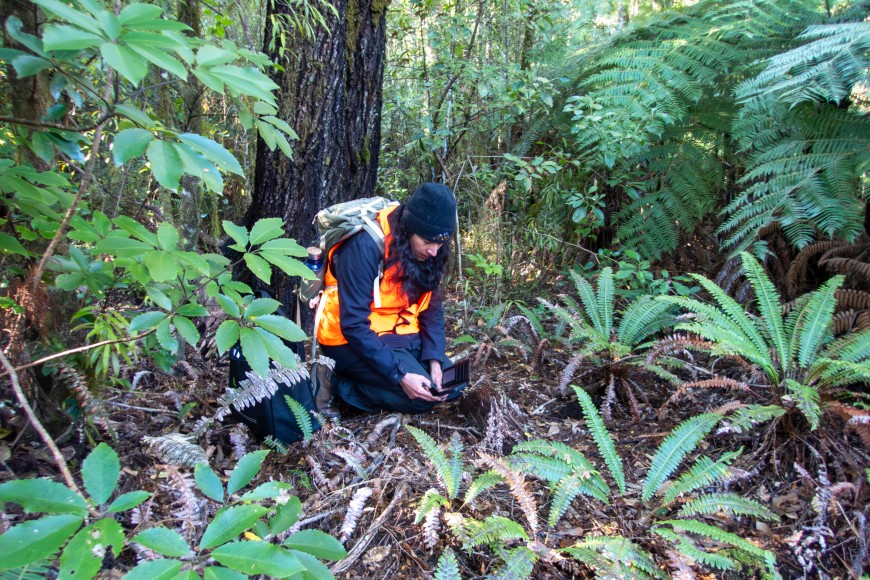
x,y
355,265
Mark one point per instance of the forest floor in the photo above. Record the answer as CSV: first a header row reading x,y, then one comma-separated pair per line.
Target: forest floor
x,y
508,402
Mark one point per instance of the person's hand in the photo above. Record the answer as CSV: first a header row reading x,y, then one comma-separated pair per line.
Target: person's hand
x,y
417,387
435,373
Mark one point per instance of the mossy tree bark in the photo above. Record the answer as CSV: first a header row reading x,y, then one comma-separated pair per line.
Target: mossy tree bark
x,y
331,94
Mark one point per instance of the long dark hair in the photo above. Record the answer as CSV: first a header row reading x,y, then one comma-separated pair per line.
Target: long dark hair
x,y
415,276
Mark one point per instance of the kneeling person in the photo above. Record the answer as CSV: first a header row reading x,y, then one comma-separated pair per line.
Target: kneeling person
x,y
389,349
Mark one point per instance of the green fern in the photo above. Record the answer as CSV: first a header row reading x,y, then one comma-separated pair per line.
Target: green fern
x,y
554,461
682,441
480,484
729,503
602,438
431,500
688,548
703,473
720,535
449,472
302,416
448,567
744,418
807,400
615,556
518,563
493,531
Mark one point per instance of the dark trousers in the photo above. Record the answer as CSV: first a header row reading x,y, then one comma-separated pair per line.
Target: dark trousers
x,y
361,386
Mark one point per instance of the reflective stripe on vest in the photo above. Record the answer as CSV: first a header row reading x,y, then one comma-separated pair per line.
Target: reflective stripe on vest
x,y
394,315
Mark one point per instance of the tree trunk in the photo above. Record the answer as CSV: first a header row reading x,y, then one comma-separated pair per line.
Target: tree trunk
x,y
331,94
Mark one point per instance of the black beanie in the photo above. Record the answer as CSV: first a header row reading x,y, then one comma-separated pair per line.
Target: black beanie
x,y
431,213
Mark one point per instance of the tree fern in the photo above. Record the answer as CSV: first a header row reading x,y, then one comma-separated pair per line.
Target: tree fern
x,y
448,567
445,470
682,441
602,438
703,473
302,416
729,503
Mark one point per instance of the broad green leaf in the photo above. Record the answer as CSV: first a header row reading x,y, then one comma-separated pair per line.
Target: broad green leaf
x,y
27,65
187,575
285,246
14,29
281,124
165,338
246,81
121,247
154,570
165,163
208,482
260,307
229,306
290,266
167,235
237,233
63,37
110,24
125,61
198,166
259,267
209,55
285,515
43,495
247,468
147,320
227,335
228,524
281,326
277,350
100,472
268,490
36,539
266,229
314,568
163,541
136,230
186,328
191,309
258,558
9,245
209,80
284,145
268,133
214,152
83,556
162,265
128,501
316,543
220,573
136,115
254,351
137,12
161,24
68,13
159,58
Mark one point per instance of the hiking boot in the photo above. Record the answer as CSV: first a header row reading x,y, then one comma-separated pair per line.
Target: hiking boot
x,y
323,400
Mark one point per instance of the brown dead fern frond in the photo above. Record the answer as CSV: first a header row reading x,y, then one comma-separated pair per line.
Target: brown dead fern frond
x,y
854,299
317,474
798,269
843,250
189,507
731,271
715,383
240,437
568,373
855,271
188,370
517,484
91,406
354,511
676,343
856,420
609,400
176,449
538,354
432,527
482,355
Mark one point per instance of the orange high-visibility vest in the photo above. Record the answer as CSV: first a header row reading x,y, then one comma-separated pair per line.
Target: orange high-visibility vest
x,y
394,315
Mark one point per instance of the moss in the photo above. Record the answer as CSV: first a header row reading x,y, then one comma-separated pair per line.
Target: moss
x,y
352,18
378,9
364,154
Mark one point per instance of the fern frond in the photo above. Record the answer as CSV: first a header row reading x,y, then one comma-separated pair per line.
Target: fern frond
x,y
687,548
815,320
518,563
480,484
714,383
275,445
729,503
644,317
517,484
255,388
431,500
177,449
554,461
807,400
703,473
744,418
443,467
302,416
455,462
619,557
34,571
590,301
354,461
719,535
768,301
564,493
493,531
602,438
353,513
682,441
854,347
605,300
448,567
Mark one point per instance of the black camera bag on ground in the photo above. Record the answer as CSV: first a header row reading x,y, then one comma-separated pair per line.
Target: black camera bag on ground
x,y
272,416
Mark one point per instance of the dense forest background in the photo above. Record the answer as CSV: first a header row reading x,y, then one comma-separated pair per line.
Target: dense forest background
x,y
660,274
